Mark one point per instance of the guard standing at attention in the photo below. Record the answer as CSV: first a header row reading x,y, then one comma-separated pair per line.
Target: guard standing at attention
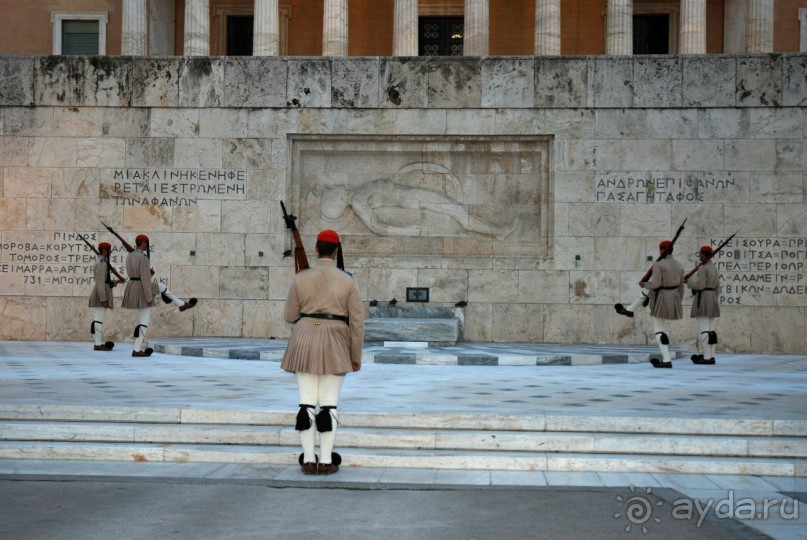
x,y
325,344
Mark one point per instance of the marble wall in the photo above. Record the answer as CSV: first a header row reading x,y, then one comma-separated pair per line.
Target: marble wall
x,y
598,158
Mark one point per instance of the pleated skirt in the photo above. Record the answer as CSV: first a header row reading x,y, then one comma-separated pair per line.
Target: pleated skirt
x,y
95,300
318,347
665,304
709,305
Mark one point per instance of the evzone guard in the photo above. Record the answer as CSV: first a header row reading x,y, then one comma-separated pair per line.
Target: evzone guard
x,y
325,344
141,289
101,299
666,292
662,289
704,280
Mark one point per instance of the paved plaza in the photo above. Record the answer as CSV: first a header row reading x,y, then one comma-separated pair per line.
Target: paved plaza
x,y
741,387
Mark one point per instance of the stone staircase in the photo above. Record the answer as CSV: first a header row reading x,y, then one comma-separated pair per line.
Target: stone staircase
x,y
435,441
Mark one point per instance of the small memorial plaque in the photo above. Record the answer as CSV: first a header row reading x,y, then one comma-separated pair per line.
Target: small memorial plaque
x,y
417,294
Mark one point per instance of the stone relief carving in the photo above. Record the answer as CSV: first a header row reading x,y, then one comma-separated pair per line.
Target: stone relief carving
x,y
390,207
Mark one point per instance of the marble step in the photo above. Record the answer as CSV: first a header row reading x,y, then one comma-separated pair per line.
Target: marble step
x,y
448,421
432,459
418,439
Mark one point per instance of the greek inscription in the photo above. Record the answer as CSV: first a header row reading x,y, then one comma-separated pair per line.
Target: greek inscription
x,y
172,187
763,271
675,188
63,259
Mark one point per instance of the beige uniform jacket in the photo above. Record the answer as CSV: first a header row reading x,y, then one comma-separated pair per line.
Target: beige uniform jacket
x,y
667,289
139,293
706,285
320,346
102,291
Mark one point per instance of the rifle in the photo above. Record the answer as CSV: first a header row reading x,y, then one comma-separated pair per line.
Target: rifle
x,y
121,279
646,276
300,258
126,244
709,258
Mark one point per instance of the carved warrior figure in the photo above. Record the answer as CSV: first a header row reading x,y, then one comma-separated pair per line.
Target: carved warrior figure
x,y
389,207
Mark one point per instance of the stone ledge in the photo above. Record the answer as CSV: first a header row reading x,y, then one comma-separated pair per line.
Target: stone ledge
x,y
763,80
435,331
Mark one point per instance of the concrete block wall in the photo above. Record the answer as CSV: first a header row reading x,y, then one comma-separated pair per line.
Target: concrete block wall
x,y
637,144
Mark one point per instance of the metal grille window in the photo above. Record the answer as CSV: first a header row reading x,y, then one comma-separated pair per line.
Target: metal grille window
x,y
82,32
440,36
80,37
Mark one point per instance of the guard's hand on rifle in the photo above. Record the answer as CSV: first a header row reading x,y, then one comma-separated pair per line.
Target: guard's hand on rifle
x,y
105,304
121,281
643,284
152,271
356,366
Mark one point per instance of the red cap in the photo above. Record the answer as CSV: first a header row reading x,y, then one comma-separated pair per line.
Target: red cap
x,y
665,244
328,235
104,245
141,238
707,249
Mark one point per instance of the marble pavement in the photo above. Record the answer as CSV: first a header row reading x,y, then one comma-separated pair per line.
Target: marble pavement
x,y
741,388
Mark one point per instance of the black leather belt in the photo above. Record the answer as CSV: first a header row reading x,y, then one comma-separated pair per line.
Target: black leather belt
x,y
324,316
134,279
698,294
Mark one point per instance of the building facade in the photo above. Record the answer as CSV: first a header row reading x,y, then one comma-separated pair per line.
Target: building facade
x,y
533,187
399,27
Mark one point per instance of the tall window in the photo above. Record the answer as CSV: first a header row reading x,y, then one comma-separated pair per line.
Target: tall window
x,y
239,35
440,36
79,33
651,34
233,27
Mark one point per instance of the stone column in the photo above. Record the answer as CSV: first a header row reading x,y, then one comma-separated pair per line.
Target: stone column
x,y
197,28
803,25
475,42
135,31
692,35
619,27
405,33
547,27
759,28
266,32
334,28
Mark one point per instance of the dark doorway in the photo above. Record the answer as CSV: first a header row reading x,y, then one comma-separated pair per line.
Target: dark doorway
x,y
651,34
440,36
239,35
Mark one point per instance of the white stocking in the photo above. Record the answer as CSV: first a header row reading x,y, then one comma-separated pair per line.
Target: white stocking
x,y
659,325
307,395
100,313
329,387
167,292
639,302
145,318
703,335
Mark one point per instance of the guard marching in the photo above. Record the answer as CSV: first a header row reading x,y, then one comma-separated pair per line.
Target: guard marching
x,y
101,297
705,285
667,289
